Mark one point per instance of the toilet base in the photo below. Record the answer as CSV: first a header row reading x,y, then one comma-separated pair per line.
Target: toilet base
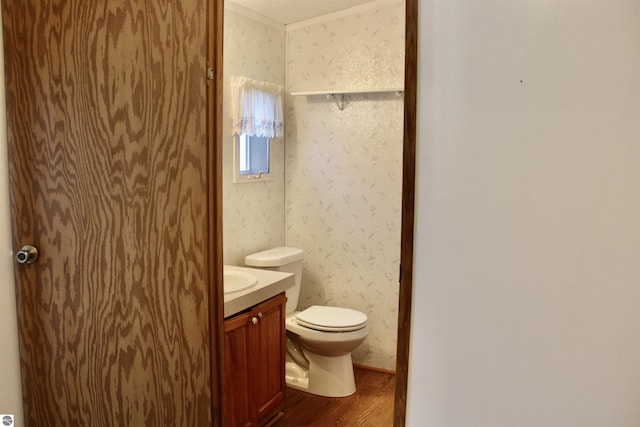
x,y
329,376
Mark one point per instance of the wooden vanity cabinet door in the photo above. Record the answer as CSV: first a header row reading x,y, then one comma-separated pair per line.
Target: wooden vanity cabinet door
x,y
238,406
269,381
254,364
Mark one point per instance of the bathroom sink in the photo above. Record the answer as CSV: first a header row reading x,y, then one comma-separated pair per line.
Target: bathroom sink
x,y
235,281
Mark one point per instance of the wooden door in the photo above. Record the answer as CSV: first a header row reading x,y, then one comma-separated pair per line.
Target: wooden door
x,y
109,179
239,406
269,341
254,363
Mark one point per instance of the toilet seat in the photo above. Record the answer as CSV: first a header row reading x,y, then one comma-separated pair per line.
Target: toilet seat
x,y
331,319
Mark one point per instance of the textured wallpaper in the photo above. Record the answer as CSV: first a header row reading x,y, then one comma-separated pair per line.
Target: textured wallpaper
x,y
253,212
344,169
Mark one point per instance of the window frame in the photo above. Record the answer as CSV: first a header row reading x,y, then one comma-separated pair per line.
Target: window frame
x,y
237,176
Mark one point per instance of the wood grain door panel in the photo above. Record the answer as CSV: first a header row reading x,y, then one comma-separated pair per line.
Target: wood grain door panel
x,y
106,105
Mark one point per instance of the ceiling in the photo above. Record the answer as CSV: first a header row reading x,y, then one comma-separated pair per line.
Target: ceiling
x,y
290,11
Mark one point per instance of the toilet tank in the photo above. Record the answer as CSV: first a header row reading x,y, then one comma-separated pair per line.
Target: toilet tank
x,y
286,259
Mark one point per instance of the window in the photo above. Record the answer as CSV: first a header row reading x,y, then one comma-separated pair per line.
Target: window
x,y
256,113
251,158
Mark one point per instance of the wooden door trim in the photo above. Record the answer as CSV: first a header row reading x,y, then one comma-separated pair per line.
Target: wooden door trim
x,y
408,203
215,28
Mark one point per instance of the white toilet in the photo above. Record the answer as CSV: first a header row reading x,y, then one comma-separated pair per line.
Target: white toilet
x,y
319,339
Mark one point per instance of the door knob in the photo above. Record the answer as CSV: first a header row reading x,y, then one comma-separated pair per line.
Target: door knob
x,y
27,255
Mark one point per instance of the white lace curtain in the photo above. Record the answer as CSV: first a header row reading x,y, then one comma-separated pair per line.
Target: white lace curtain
x,y
256,108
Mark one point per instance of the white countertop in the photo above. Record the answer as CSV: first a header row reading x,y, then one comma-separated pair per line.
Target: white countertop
x,y
270,283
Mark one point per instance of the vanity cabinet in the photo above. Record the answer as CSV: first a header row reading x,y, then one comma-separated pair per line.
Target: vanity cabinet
x,y
254,364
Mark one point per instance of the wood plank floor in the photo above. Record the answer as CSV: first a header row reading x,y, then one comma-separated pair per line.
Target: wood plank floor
x,y
371,405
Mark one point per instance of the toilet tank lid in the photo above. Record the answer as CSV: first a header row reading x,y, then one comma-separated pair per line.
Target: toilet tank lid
x,y
275,257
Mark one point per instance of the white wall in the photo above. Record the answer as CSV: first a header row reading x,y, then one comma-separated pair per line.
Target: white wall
x,y
10,385
253,213
526,306
344,168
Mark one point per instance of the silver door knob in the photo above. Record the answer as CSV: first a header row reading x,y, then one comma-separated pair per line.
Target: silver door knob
x,y
27,255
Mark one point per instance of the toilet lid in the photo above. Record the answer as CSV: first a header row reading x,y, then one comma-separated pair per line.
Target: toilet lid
x,y
332,319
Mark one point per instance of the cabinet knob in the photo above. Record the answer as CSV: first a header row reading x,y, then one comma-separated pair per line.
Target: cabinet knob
x,y
254,320
259,315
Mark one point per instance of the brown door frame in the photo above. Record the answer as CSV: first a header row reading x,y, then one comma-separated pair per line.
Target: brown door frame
x,y
215,41
408,203
215,57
